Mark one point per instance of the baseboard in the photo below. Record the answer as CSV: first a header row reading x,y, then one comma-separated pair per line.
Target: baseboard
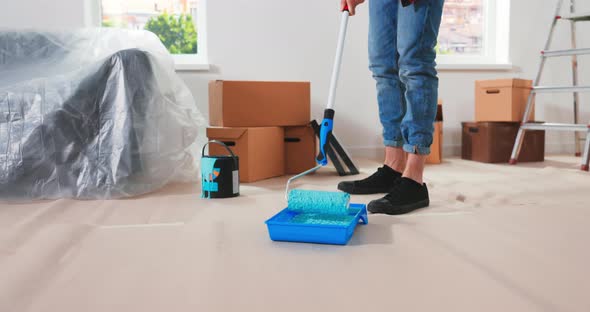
x,y
376,152
560,148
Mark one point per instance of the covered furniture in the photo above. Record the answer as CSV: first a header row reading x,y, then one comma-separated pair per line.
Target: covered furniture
x,y
96,113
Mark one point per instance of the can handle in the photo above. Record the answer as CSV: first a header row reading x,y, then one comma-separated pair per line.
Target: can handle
x,y
222,144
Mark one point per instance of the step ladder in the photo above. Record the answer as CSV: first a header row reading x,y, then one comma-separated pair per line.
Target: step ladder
x,y
576,127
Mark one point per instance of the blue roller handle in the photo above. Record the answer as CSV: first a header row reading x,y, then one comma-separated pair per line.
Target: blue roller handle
x,y
325,131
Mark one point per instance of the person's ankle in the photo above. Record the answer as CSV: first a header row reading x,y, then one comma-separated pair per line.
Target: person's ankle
x,y
415,168
413,176
395,166
395,158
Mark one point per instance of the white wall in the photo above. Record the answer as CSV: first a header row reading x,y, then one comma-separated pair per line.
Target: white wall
x,y
287,40
41,14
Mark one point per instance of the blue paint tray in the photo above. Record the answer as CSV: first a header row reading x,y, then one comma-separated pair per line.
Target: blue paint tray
x,y
290,226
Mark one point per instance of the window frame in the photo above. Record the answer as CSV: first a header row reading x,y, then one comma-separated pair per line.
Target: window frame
x,y
182,62
496,39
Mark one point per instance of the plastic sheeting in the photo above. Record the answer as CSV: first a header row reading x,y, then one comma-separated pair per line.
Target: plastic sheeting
x,y
95,113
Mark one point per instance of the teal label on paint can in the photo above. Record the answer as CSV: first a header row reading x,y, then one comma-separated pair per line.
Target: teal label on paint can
x,y
210,186
208,174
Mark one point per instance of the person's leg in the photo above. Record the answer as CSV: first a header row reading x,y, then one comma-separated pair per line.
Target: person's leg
x,y
383,59
383,63
418,26
418,74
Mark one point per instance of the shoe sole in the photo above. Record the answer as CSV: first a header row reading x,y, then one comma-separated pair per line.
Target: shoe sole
x,y
399,210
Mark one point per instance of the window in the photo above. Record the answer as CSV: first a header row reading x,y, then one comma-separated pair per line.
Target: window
x,y
474,33
180,25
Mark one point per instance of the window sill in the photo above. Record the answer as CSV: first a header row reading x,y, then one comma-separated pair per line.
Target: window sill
x,y
191,62
475,67
192,66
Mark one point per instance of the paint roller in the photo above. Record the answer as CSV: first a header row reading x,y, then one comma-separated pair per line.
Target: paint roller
x,y
320,202
315,202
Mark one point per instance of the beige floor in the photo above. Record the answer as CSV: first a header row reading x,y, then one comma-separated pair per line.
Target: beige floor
x,y
496,238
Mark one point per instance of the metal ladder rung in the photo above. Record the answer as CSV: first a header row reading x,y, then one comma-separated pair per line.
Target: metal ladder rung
x,y
568,52
555,126
577,17
561,89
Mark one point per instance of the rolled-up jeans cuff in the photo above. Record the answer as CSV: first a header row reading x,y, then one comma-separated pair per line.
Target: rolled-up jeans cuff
x,y
415,149
393,143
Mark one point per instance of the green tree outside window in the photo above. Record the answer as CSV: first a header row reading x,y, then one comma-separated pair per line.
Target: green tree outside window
x,y
177,33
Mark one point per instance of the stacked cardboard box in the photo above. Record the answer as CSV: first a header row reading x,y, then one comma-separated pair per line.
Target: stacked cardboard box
x,y
499,109
265,123
502,100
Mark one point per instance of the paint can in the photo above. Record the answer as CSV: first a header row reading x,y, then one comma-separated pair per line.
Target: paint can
x,y
220,176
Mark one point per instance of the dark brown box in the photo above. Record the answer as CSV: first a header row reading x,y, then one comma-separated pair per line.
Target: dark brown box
x,y
300,149
492,142
261,150
259,103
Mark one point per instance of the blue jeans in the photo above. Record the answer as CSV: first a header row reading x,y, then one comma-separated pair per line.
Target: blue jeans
x,y
402,60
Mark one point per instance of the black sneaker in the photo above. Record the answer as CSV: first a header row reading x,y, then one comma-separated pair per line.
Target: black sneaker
x,y
381,181
407,195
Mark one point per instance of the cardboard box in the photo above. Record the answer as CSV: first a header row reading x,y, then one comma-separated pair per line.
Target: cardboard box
x,y
435,156
502,100
492,142
258,103
261,150
300,149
